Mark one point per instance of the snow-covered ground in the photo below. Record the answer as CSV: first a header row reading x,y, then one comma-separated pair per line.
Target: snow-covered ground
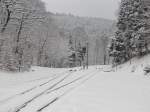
x,y
107,92
63,90
137,65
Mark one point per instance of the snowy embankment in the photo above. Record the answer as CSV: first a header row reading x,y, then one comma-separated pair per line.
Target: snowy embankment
x,y
136,65
64,90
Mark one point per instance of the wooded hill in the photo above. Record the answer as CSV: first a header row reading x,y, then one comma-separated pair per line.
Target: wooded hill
x,y
29,35
86,29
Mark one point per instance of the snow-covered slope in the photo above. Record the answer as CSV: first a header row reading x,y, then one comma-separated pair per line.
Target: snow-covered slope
x,y
64,90
135,65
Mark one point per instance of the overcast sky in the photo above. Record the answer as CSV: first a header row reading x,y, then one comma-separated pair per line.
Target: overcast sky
x,y
90,8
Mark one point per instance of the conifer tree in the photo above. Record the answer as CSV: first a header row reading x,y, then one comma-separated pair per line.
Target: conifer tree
x,y
131,33
80,54
71,53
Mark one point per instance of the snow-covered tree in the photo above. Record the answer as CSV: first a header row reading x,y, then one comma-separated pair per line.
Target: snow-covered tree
x,y
80,54
17,20
132,27
71,53
117,48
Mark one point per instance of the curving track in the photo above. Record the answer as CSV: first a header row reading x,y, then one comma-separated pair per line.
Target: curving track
x,y
43,95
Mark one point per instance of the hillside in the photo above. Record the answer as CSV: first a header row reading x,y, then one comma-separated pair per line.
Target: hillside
x,y
91,25
85,29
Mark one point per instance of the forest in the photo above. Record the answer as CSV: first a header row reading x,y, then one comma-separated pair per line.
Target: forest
x,y
32,36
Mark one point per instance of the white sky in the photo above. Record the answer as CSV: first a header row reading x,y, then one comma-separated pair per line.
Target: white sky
x,y
90,8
